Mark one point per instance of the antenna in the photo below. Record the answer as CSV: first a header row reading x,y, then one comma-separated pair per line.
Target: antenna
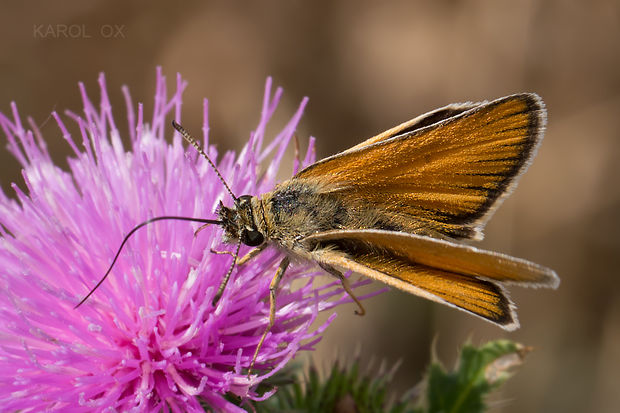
x,y
137,227
196,145
191,140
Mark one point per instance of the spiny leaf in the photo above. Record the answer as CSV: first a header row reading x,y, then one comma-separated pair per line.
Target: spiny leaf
x,y
343,390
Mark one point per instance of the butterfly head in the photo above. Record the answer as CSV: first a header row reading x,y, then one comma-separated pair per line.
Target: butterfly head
x,y
239,223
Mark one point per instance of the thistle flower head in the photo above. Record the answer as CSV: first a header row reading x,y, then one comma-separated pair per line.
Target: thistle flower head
x,y
149,338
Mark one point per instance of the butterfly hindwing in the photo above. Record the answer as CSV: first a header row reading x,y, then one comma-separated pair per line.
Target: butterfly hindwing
x,y
443,255
482,298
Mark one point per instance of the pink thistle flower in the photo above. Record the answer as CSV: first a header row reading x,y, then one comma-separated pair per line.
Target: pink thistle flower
x,y
149,338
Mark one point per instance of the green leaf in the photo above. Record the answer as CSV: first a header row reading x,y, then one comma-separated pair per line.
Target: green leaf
x,y
479,370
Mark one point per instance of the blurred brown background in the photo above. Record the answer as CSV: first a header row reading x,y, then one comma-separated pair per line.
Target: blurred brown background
x,y
367,66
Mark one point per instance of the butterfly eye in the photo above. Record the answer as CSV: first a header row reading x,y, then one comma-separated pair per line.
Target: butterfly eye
x,y
252,238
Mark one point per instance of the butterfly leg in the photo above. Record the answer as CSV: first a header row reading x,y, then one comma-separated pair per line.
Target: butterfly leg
x,y
221,252
273,287
220,290
236,261
253,253
345,285
200,228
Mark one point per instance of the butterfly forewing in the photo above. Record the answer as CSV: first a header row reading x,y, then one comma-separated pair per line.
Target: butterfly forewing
x,y
446,177
420,122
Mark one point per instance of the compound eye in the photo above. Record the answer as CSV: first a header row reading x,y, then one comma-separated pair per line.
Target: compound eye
x,y
252,238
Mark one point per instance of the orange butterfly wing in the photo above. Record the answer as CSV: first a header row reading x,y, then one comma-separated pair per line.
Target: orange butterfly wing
x,y
481,298
419,122
444,255
446,177
460,276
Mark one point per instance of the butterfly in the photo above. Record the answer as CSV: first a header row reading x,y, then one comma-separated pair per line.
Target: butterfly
x,y
397,207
